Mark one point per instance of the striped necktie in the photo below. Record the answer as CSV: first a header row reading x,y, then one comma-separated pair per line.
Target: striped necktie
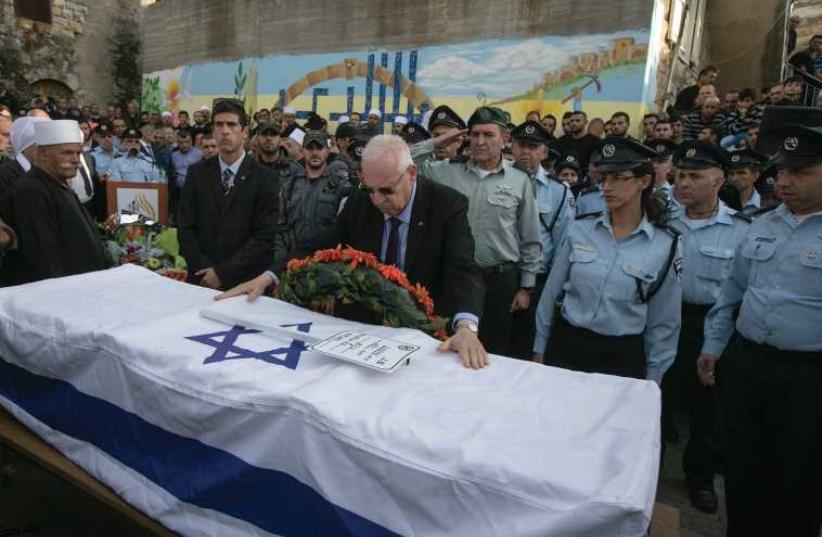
x,y
228,180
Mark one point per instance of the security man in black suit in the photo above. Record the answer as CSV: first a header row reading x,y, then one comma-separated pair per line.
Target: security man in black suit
x,y
228,207
421,227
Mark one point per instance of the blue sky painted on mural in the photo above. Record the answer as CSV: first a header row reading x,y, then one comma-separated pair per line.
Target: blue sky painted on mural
x,y
498,68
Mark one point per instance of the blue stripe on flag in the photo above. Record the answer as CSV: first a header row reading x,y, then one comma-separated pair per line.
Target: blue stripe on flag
x,y
194,472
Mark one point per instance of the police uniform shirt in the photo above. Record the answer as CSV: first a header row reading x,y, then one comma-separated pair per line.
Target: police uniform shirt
x,y
708,248
555,203
753,204
502,210
777,275
104,162
602,278
591,200
137,170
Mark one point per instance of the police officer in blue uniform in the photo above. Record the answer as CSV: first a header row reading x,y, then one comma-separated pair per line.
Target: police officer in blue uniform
x,y
105,153
612,301
711,233
772,375
663,166
556,211
744,168
590,198
135,166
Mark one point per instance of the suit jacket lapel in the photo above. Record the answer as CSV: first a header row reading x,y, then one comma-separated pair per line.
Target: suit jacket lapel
x,y
417,228
216,185
374,225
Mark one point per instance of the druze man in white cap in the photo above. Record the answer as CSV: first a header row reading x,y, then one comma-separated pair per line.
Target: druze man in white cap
x,y
399,123
56,237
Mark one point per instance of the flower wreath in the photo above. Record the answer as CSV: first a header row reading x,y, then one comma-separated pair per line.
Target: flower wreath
x,y
354,277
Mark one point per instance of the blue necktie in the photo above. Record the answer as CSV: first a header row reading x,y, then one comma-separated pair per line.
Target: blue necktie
x,y
392,251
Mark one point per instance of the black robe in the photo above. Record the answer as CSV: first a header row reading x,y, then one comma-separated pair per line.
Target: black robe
x,y
55,235
10,172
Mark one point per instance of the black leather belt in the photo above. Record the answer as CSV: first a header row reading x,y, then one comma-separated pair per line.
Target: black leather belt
x,y
498,269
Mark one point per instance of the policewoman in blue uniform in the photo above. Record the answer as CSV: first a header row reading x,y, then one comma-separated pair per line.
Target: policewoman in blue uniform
x,y
711,233
772,376
612,301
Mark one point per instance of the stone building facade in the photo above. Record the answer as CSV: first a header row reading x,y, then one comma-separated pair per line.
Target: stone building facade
x,y
63,45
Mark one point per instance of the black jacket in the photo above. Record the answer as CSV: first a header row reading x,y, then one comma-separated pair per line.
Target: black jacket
x,y
56,237
234,233
440,248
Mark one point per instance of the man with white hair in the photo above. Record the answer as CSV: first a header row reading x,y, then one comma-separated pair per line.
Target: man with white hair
x,y
56,237
417,225
708,115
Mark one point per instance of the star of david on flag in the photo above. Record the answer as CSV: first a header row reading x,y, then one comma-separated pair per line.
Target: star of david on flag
x,y
226,347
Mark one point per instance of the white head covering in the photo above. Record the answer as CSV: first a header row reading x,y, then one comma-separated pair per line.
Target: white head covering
x,y
343,119
297,135
204,108
375,112
60,131
402,120
22,133
290,110
165,113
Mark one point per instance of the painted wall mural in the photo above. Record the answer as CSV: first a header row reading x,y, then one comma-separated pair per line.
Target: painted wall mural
x,y
599,73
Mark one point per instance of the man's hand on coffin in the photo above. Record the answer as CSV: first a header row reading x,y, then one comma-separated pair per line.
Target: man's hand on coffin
x,y
209,278
252,288
466,343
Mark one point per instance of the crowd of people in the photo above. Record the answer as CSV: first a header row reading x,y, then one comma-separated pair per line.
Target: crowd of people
x,y
578,243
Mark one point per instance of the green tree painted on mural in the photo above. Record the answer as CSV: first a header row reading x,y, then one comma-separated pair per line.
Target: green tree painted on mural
x,y
240,81
152,100
124,44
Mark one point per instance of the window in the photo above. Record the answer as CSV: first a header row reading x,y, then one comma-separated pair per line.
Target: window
x,y
690,40
36,10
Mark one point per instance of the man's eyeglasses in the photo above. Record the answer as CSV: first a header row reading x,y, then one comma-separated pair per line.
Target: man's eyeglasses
x,y
385,190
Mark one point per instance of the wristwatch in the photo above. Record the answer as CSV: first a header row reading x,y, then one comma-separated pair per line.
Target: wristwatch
x,y
470,325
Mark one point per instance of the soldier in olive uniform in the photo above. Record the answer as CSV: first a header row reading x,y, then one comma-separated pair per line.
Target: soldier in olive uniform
x,y
502,212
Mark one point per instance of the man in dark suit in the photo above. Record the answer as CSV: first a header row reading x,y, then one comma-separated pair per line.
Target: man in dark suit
x,y
228,207
419,226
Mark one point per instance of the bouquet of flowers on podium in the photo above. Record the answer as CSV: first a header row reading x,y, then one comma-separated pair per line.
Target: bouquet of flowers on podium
x,y
354,280
135,239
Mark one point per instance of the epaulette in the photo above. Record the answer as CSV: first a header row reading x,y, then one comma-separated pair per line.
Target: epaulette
x,y
120,155
763,210
668,228
459,159
588,215
741,216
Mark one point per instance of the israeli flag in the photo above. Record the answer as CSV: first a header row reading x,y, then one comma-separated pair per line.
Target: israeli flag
x,y
220,429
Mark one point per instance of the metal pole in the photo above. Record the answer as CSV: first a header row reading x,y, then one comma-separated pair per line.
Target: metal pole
x,y
675,51
783,63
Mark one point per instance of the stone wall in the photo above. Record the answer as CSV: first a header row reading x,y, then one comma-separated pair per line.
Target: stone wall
x,y
72,50
178,32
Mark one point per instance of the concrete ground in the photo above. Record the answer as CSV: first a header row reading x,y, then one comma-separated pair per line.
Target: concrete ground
x,y
56,508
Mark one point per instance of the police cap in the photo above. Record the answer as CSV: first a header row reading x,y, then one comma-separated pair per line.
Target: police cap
x,y
356,147
567,161
700,156
622,154
531,132
414,133
133,133
664,148
801,145
103,129
444,115
745,158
